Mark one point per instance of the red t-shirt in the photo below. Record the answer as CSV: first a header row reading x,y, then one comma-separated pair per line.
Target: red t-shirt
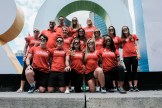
x,y
99,43
58,61
58,30
40,58
73,32
129,47
117,40
67,42
32,41
83,45
51,43
109,59
91,61
76,60
89,31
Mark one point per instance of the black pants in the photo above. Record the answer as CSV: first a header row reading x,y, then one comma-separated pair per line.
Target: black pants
x,y
131,64
75,78
117,73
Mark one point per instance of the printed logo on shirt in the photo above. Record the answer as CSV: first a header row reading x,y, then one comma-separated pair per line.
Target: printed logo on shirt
x,y
42,52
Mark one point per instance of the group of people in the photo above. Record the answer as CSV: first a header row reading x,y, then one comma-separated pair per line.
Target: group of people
x,y
61,57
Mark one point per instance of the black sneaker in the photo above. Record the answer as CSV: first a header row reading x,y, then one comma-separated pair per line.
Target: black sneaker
x,y
32,89
131,89
136,89
121,90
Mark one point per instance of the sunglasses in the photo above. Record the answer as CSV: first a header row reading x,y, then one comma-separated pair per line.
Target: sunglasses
x,y
42,39
59,41
97,31
90,43
35,31
76,43
108,40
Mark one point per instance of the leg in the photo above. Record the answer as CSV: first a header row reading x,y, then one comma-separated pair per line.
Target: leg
x,y
127,63
50,89
134,70
98,73
91,84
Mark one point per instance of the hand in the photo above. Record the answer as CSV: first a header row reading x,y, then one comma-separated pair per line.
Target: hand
x,y
67,69
138,57
24,58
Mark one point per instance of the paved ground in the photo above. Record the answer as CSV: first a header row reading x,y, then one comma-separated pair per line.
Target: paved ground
x,y
81,95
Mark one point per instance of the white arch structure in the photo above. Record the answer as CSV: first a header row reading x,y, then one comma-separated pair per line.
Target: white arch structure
x,y
114,12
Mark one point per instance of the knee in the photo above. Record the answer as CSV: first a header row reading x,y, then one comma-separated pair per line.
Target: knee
x,y
29,72
99,70
50,90
41,90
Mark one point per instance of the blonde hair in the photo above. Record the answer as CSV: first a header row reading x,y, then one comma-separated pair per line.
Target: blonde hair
x,y
94,37
87,51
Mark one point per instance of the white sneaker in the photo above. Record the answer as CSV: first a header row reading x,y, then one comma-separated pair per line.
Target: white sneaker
x,y
97,89
103,90
67,91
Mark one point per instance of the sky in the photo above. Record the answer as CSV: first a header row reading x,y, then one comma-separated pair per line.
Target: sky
x,y
30,9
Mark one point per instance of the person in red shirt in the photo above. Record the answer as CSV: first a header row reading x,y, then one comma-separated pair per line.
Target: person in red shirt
x,y
98,39
58,29
117,42
57,72
93,71
76,64
38,72
74,27
89,30
30,42
82,38
67,38
111,65
131,55
51,34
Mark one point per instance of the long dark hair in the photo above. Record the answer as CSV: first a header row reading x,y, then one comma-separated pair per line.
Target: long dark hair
x,y
112,46
83,35
114,30
123,35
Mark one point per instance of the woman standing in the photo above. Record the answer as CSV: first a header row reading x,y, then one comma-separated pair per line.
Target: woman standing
x,y
30,42
74,27
93,71
131,55
82,38
117,42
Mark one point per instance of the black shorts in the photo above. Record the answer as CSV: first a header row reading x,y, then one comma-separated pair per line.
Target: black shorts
x,y
89,76
56,79
41,78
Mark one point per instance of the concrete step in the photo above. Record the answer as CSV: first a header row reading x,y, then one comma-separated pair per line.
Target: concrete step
x,y
142,99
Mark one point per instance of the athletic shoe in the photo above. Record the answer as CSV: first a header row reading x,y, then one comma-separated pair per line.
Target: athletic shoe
x,y
121,90
97,89
115,89
20,91
131,89
103,90
67,91
32,89
136,89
